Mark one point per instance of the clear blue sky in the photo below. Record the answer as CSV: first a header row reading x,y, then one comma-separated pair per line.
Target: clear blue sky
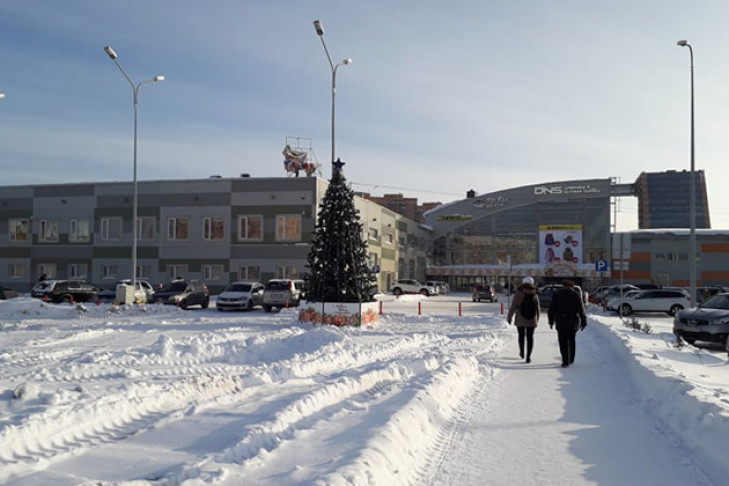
x,y
442,97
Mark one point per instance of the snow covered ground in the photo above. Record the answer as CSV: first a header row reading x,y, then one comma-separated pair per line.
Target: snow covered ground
x,y
98,395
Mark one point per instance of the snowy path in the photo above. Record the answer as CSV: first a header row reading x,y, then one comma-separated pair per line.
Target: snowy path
x,y
160,396
536,419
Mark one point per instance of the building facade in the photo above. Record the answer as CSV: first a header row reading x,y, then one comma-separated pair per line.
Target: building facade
x,y
661,257
407,206
217,229
664,199
546,230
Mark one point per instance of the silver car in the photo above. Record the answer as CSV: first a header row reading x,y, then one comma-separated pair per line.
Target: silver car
x,y
707,322
240,296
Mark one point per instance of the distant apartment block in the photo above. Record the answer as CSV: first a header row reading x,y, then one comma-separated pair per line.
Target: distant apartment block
x,y
406,206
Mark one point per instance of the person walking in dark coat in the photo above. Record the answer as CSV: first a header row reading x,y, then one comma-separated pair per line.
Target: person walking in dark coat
x,y
525,315
568,314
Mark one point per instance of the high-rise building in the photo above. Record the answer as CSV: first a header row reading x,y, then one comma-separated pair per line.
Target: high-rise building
x,y
664,199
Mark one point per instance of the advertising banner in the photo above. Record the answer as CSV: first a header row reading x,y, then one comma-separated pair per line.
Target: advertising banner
x,y
560,243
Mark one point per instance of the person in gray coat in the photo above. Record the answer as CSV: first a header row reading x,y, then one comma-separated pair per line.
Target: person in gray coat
x,y
524,311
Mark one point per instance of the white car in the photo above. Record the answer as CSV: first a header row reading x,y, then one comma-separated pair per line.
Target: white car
x,y
655,300
612,301
410,286
241,295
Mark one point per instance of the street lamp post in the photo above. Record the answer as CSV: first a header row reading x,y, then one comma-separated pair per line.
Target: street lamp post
x,y
692,206
135,197
320,32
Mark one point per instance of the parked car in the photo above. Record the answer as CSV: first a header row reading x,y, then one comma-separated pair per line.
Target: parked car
x,y
411,286
596,295
443,286
436,285
546,292
242,295
281,292
707,322
484,292
183,293
612,301
659,300
7,293
64,291
705,293
43,288
144,292
617,290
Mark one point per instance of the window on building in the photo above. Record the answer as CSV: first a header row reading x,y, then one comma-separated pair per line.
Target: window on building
x,y
18,229
16,270
250,228
111,229
213,228
109,272
48,230
144,271
249,273
47,269
78,270
213,272
287,272
389,239
146,228
373,233
401,242
176,271
372,259
79,230
288,227
178,228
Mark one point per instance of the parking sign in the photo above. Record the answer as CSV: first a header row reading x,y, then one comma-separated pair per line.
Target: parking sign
x,y
601,266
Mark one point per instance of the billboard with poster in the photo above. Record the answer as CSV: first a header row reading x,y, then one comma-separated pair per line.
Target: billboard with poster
x,y
560,243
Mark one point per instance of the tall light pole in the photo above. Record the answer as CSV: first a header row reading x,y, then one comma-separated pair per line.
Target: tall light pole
x,y
320,32
135,197
692,206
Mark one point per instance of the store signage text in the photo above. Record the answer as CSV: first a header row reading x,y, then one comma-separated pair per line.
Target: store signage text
x,y
570,189
490,202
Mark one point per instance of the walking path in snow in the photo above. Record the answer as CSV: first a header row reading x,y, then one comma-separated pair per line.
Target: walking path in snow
x,y
540,424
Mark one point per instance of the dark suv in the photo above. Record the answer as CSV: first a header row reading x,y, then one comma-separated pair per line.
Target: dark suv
x,y
183,293
65,291
484,292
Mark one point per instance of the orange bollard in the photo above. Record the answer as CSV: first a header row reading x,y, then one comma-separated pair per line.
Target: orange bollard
x,y
502,308
380,307
71,299
459,310
420,308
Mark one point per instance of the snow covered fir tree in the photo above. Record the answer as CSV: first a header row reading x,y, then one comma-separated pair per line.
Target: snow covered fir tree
x,y
337,260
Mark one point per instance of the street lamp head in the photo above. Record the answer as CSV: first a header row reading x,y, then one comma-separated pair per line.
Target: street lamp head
x,y
347,61
110,52
158,78
682,43
2,95
319,28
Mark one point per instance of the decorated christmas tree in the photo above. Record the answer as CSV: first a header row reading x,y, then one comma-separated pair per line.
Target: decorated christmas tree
x,y
338,267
